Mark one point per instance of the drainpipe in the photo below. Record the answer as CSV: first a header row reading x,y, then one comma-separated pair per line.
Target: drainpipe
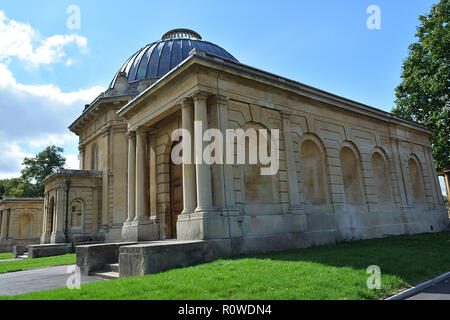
x,y
68,182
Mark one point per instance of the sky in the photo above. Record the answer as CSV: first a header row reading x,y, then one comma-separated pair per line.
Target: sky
x,y
51,66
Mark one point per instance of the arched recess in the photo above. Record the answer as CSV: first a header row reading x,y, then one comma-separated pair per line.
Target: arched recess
x,y
416,179
51,214
351,175
381,176
313,172
94,157
257,188
26,226
77,214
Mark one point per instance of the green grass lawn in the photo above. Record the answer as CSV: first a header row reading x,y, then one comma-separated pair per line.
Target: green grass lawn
x,y
329,272
18,265
4,256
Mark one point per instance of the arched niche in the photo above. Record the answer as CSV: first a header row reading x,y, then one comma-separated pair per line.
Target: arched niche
x,y
94,157
258,188
381,176
76,214
260,192
415,179
51,218
313,173
25,226
351,176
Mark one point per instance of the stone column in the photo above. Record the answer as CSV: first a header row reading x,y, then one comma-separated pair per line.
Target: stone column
x,y
141,228
434,182
189,185
81,149
295,205
4,225
142,202
105,163
152,173
7,221
447,184
131,176
222,174
203,171
58,235
398,164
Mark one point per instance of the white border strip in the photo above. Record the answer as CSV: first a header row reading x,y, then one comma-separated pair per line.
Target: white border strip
x,y
420,287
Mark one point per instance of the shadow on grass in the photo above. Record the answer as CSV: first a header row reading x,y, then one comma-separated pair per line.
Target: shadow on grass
x,y
413,258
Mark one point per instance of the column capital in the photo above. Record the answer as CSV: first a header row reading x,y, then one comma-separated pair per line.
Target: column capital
x,y
200,95
142,130
187,102
105,131
81,147
151,132
131,134
285,114
220,99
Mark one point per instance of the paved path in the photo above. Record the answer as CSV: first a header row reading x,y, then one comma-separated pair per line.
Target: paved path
x,y
12,283
439,291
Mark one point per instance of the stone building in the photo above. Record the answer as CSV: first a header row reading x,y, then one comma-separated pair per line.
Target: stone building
x,y
20,222
346,170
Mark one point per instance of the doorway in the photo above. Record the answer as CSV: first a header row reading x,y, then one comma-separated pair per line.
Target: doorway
x,y
176,193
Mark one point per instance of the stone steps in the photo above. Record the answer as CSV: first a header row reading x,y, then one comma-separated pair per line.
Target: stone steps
x,y
23,256
109,271
108,275
112,267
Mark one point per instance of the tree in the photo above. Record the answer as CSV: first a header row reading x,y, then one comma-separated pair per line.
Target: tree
x,y
18,187
2,187
34,171
423,95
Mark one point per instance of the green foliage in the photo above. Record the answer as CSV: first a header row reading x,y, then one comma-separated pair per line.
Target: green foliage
x,y
34,171
18,187
2,187
423,96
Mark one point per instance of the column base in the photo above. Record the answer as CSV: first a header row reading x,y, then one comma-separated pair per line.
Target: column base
x,y
58,237
140,230
203,225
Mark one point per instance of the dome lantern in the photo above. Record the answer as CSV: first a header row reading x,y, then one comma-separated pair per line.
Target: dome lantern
x,y
181,34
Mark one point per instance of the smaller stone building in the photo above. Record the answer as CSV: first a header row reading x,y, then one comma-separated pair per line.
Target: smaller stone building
x,y
72,200
20,222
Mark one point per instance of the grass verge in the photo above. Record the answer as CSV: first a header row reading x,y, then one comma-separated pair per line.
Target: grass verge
x,y
26,264
327,272
4,256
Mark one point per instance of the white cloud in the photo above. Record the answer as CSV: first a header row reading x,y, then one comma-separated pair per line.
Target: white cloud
x,y
72,162
35,116
11,159
20,40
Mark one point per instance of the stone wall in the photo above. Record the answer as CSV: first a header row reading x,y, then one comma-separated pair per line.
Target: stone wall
x,y
21,221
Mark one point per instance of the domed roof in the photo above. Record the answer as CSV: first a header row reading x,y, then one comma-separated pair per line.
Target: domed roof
x,y
158,58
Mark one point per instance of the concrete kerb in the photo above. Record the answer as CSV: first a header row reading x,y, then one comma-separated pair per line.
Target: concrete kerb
x,y
412,291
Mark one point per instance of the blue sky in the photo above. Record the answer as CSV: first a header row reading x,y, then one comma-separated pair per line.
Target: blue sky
x,y
325,44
